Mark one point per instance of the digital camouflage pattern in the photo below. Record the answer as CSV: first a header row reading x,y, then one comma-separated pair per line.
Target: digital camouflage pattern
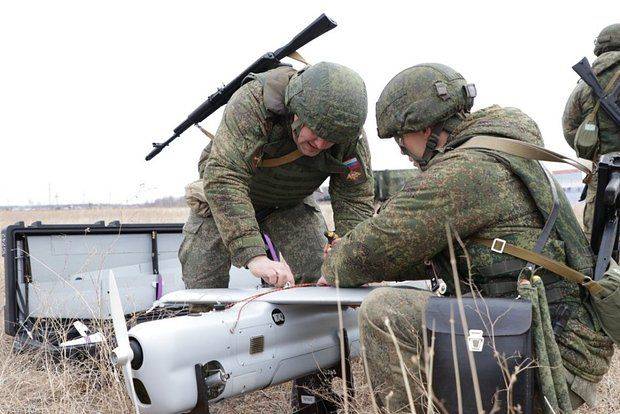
x,y
608,39
551,378
457,187
421,96
405,310
330,99
256,125
581,103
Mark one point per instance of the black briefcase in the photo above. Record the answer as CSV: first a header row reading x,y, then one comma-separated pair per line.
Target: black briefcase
x,y
494,324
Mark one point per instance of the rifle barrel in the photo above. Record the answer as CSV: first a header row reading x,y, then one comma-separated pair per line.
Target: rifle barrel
x,y
158,147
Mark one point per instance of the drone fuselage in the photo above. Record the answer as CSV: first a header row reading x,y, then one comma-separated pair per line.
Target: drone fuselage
x,y
256,344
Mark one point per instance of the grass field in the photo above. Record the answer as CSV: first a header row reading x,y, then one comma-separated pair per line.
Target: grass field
x,y
32,383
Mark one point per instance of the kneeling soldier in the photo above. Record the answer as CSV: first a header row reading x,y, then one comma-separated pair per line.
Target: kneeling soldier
x,y
481,194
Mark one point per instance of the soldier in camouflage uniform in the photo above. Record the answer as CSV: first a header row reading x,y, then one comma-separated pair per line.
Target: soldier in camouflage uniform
x,y
481,193
582,103
283,133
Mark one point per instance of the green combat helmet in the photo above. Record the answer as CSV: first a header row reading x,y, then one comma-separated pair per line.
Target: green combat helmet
x,y
330,99
608,39
425,95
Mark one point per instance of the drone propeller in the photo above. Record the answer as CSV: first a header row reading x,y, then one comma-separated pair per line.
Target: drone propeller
x,y
122,354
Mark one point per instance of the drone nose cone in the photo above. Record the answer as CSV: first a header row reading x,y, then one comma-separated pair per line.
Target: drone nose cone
x,y
138,356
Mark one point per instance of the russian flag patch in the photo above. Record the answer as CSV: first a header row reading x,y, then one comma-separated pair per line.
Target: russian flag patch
x,y
356,172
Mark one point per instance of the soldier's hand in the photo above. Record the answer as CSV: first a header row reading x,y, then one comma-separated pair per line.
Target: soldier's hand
x,y
274,273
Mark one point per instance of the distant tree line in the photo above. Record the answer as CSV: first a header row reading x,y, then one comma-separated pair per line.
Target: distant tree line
x,y
169,201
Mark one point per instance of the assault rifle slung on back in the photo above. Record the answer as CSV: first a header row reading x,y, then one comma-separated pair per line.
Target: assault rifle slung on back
x,y
609,102
264,63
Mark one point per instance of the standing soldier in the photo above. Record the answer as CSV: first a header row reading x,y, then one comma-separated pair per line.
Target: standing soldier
x,y
482,194
282,135
588,129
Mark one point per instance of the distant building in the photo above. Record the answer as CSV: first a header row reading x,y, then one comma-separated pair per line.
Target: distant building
x,y
389,182
571,182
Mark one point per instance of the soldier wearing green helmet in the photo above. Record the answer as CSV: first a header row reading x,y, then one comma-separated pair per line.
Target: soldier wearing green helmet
x,y
588,130
282,134
407,104
480,193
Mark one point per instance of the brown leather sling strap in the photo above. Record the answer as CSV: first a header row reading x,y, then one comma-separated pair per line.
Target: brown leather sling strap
x,y
501,246
276,162
291,156
521,149
533,152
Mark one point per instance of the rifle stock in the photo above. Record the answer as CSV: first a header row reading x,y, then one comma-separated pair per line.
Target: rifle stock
x,y
264,63
607,101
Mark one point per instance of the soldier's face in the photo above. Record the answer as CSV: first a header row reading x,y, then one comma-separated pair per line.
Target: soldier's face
x,y
414,143
309,143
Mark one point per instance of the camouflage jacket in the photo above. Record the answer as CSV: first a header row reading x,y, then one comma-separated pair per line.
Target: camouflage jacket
x,y
581,102
256,126
480,194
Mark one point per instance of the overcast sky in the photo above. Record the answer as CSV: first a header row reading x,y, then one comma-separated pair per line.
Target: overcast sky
x,y
85,87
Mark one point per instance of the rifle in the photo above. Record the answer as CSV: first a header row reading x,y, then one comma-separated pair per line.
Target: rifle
x,y
607,101
604,241
268,61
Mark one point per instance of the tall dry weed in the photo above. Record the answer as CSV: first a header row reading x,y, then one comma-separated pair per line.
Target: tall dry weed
x,y
33,382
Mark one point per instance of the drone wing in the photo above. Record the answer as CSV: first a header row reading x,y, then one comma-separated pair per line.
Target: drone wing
x,y
307,295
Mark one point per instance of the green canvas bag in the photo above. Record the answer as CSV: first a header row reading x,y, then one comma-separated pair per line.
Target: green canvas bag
x,y
606,302
586,138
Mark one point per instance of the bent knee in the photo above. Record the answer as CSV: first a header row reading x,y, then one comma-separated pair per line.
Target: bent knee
x,y
401,306
374,307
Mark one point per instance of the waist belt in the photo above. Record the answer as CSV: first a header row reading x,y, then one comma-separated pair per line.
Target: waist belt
x,y
504,286
501,246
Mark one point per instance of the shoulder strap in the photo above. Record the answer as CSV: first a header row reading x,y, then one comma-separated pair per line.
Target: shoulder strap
x,y
276,162
521,149
608,88
533,152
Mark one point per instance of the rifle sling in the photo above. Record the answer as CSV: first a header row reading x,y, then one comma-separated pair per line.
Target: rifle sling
x,y
521,149
608,89
285,159
533,152
295,55
560,269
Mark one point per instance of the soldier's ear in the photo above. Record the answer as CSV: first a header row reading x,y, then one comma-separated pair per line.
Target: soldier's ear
x,y
427,132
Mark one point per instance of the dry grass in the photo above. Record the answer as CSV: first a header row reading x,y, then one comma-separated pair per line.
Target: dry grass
x,y
32,383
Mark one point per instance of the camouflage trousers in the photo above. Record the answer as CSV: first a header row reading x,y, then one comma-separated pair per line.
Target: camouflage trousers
x,y
298,233
588,209
405,310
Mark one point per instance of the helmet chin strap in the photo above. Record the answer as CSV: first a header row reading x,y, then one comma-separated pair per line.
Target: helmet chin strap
x,y
431,148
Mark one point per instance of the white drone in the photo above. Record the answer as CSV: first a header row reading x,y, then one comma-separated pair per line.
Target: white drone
x,y
252,339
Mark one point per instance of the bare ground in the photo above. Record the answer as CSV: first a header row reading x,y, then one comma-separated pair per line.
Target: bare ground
x,y
32,383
